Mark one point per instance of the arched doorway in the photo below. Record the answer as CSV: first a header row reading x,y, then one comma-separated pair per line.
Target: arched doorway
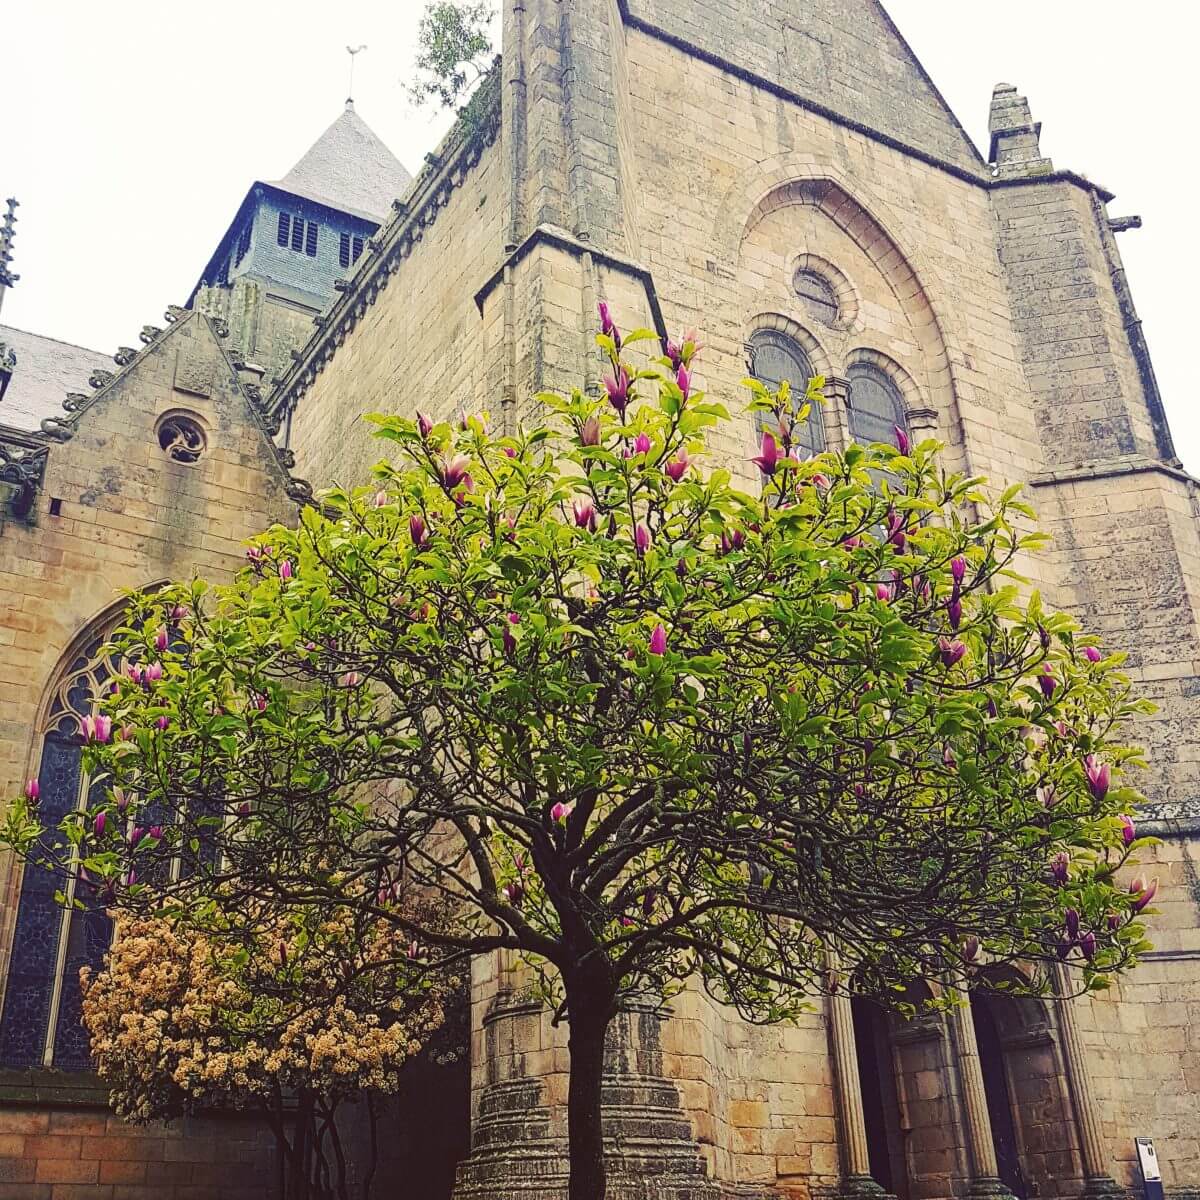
x,y
999,1099
1029,1106
877,1085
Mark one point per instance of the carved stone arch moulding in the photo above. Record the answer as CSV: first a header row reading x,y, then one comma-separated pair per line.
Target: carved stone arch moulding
x,y
817,356
843,289
918,408
805,179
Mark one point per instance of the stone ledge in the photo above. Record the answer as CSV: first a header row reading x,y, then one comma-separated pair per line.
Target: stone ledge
x,y
54,1089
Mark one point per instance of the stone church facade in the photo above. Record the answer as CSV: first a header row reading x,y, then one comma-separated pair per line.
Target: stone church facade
x,y
787,179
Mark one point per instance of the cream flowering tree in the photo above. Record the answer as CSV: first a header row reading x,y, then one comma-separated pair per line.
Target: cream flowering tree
x,y
289,1014
636,723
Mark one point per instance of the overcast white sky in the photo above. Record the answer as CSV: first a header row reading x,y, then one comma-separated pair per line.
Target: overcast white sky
x,y
131,130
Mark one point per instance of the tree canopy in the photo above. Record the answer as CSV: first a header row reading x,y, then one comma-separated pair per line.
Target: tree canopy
x,y
634,721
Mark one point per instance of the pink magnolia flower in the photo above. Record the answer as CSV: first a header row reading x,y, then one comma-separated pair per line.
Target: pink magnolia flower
x,y
950,651
1047,795
153,673
585,514
560,812
897,531
1087,943
958,568
852,543
258,701
1142,892
641,444
885,592
510,642
455,471
33,790
351,679
424,424
902,442
1071,921
1128,829
243,809
1047,682
658,640
161,639
1092,654
180,612
136,834
642,538
417,531
513,892
617,388
589,432
127,732
162,723
135,672
381,499
608,326
510,452
1060,868
677,467
99,822
768,460
285,570
954,612
96,728
683,378
254,555
155,832
414,950
1098,776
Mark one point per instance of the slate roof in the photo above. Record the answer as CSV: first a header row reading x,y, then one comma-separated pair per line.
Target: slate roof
x,y
348,168
46,371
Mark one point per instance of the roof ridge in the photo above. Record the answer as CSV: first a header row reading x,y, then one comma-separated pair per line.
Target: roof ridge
x,y
45,337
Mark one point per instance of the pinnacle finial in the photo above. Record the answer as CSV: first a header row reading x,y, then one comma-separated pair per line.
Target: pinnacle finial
x,y
7,233
1015,148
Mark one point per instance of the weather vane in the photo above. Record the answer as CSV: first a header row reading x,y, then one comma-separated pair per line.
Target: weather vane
x,y
352,51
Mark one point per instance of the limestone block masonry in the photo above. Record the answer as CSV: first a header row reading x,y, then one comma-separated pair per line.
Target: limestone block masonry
x,y
692,162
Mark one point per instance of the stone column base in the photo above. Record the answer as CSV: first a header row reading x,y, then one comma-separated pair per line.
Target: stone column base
x,y
860,1187
989,1188
1104,1187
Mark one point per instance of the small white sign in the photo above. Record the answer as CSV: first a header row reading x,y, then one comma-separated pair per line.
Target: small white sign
x,y
1148,1160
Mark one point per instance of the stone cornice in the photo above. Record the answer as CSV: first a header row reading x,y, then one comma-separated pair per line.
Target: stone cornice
x,y
443,173
560,239
1111,469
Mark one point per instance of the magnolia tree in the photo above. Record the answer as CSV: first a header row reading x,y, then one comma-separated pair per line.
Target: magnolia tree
x,y
638,724
290,1014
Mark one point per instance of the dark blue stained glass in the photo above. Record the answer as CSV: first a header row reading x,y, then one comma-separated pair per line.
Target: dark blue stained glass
x,y
89,937
26,1015
91,933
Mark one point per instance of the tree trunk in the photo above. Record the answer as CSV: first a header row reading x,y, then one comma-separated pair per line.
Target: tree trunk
x,y
585,1133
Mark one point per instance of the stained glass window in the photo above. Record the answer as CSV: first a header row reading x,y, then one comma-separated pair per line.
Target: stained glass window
x,y
775,357
876,410
40,1021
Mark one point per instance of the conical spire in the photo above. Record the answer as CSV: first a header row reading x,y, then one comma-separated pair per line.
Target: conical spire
x,y
350,169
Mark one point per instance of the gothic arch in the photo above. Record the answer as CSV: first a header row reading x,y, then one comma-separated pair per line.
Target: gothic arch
x,y
39,993
911,395
804,179
821,363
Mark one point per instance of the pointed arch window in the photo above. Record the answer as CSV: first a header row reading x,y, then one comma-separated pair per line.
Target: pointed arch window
x,y
40,1022
876,408
775,357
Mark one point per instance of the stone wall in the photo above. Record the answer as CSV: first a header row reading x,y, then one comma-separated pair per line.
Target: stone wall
x,y
85,1153
116,512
